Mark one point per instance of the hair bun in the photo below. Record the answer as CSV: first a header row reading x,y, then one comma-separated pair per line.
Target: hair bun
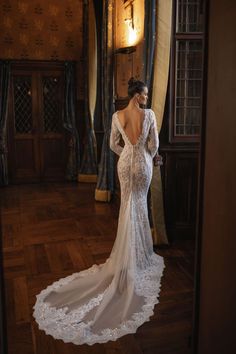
x,y
132,81
135,86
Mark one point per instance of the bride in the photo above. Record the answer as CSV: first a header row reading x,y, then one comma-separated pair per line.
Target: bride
x,y
110,300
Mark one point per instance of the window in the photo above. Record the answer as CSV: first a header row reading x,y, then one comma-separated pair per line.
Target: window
x,y
186,70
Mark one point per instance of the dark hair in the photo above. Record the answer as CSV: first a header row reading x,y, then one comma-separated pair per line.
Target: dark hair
x,y
135,86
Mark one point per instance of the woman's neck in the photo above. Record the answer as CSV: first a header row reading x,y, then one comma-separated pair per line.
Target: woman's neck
x,y
134,105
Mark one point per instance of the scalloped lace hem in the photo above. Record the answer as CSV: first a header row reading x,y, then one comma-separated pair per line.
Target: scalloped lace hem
x,y
69,326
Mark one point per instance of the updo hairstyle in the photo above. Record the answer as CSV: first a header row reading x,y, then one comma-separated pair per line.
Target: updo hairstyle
x,y
135,86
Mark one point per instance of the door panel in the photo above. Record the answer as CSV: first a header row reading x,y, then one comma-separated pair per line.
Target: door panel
x,y
52,137
24,149
36,135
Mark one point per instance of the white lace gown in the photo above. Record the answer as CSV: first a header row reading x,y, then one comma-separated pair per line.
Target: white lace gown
x,y
110,300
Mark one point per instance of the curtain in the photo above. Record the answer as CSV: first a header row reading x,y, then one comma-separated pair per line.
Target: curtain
x,y
69,122
149,48
105,183
88,170
92,60
4,97
160,80
149,44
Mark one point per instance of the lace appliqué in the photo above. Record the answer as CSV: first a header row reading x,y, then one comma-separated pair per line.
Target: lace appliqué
x,y
144,267
69,326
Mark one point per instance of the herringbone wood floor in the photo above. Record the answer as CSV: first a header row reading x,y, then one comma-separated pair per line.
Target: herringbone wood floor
x,y
53,230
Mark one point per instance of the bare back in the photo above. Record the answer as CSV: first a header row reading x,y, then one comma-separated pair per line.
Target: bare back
x,y
131,121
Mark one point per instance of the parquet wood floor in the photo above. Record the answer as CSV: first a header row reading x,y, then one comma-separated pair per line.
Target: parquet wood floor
x,y
53,230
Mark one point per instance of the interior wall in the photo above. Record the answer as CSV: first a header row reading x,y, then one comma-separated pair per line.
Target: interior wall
x,y
42,30
128,65
218,250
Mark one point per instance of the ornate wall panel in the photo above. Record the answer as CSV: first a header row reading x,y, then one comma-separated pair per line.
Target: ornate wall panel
x,y
42,30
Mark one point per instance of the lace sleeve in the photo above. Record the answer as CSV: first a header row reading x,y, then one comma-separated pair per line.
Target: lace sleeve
x,y
115,138
153,138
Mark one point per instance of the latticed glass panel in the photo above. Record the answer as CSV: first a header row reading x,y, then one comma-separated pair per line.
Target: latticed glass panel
x,y
23,104
51,105
188,87
188,17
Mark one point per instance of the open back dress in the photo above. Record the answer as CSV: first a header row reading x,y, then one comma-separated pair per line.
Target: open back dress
x,y
112,299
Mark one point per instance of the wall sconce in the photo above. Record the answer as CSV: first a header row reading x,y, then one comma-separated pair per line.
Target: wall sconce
x,y
125,50
129,11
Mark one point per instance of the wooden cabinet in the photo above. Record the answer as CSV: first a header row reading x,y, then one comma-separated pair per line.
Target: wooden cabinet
x,y
180,188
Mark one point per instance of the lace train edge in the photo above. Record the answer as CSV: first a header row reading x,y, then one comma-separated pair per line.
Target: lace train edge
x,y
69,329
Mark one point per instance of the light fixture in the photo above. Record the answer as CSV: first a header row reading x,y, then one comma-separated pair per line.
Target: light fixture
x,y
129,10
126,50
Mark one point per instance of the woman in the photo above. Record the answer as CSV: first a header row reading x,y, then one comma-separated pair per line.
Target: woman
x,y
113,299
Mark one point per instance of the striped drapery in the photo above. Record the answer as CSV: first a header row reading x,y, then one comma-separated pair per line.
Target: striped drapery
x,y
160,81
149,43
105,183
69,122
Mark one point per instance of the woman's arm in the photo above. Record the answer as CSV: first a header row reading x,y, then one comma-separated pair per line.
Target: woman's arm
x,y
115,138
153,138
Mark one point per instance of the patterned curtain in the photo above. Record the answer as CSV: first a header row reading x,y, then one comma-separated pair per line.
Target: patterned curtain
x,y
4,97
69,122
105,183
88,169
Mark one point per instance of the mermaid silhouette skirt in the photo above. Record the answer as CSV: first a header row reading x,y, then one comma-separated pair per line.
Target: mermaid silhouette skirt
x,y
110,300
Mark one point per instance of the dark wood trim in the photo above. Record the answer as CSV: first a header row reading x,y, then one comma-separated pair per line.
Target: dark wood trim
x,y
200,204
49,64
179,148
3,321
188,35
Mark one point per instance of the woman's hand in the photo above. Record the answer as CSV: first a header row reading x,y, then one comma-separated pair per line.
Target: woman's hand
x,y
157,159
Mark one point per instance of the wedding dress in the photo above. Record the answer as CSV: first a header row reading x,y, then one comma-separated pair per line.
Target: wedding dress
x,y
112,299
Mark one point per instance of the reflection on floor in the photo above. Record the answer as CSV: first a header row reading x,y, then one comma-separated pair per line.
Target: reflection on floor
x,y
53,230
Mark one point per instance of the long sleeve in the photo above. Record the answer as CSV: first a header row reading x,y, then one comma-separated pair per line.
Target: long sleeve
x,y
153,138
115,138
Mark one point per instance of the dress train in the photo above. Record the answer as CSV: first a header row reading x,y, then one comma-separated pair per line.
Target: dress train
x,y
109,300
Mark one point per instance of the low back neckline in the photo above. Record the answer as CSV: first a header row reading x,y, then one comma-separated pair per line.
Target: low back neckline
x,y
142,130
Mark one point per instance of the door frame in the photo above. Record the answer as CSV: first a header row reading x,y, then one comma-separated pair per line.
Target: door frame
x,y
23,66
3,318
200,195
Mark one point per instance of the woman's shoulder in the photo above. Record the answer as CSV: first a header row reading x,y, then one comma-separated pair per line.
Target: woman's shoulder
x,y
114,114
150,114
150,111
121,111
118,112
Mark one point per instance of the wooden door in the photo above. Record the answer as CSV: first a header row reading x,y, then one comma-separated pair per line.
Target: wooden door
x,y
51,132
36,141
